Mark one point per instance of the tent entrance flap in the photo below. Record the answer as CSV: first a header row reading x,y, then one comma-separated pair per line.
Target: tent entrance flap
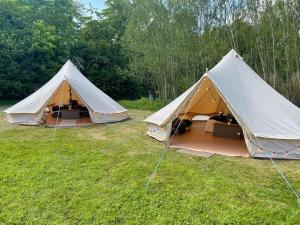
x,y
66,109
210,135
205,101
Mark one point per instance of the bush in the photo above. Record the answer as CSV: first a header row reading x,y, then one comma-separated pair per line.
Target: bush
x,y
7,102
143,103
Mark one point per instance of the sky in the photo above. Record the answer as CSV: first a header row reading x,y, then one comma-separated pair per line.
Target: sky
x,y
99,4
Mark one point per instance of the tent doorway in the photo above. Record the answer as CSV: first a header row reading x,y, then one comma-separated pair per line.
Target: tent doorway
x,y
215,131
66,109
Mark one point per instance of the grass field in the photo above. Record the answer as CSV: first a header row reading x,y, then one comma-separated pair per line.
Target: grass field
x,y
98,175
143,103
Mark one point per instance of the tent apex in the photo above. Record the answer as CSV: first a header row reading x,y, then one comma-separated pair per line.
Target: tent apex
x,y
70,62
233,52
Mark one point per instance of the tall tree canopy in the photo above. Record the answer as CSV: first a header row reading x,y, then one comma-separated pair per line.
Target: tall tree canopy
x,y
38,37
175,41
138,46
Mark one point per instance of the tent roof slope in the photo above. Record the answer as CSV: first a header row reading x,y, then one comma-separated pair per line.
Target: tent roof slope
x,y
262,110
97,100
34,102
164,114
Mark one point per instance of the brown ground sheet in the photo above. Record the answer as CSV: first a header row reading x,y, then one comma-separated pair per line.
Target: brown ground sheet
x,y
198,140
51,122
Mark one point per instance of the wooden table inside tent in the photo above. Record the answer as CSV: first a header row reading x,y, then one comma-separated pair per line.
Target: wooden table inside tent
x,y
228,130
221,129
70,114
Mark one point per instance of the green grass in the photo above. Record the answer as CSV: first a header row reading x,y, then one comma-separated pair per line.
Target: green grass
x,y
144,104
98,175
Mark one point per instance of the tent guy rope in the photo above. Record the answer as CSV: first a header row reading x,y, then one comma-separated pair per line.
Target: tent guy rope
x,y
286,180
153,174
60,101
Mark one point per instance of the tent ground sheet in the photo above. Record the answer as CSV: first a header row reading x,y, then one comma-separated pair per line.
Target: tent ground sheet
x,y
197,139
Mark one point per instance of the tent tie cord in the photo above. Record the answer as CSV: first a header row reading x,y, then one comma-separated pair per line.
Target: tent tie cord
x,y
286,180
61,97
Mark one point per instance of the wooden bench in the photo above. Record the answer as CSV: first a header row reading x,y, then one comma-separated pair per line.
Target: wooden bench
x,y
70,114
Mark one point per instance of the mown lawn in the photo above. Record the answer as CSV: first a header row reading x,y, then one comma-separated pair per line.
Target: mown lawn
x,y
98,175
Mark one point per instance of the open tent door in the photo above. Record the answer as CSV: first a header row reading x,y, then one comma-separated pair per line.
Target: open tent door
x,y
218,133
66,109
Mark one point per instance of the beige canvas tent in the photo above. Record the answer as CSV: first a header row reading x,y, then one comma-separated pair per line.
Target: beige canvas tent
x,y
269,124
68,99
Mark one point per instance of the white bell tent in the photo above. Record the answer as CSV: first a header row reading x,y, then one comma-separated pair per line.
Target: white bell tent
x,y
269,122
68,81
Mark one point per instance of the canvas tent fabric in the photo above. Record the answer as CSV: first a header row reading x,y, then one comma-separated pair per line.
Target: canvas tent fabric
x,y
101,107
270,123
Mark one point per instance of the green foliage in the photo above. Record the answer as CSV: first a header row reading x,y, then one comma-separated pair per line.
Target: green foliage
x,y
99,55
98,175
174,42
7,102
4,104
35,40
136,47
144,104
43,40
